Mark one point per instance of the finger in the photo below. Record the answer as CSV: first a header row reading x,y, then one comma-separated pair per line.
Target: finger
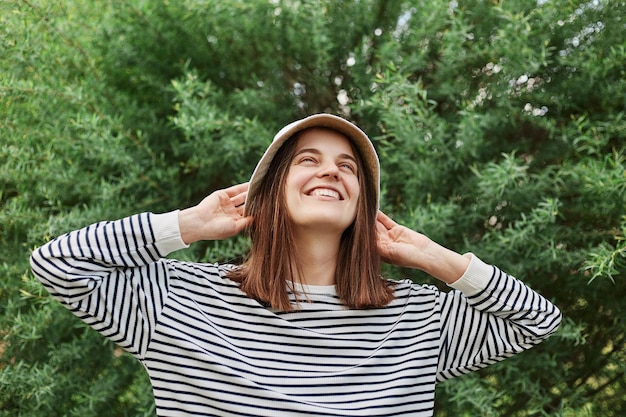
x,y
244,222
237,189
385,220
239,199
240,209
380,228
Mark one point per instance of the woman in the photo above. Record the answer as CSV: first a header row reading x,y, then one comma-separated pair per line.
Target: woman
x,y
305,326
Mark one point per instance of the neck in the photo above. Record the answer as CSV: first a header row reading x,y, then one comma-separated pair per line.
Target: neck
x,y
317,254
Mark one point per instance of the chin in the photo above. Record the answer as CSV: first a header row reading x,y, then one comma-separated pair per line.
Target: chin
x,y
325,221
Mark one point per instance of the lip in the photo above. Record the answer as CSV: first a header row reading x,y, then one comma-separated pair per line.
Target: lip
x,y
325,187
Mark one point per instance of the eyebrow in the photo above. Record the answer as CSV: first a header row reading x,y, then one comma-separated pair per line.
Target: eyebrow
x,y
317,152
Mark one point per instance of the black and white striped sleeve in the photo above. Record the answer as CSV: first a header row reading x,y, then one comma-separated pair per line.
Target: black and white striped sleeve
x,y
111,275
488,317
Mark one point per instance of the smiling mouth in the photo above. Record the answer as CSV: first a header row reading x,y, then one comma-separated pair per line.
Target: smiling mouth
x,y
325,192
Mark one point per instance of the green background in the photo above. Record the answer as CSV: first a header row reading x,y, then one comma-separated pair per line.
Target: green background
x,y
500,126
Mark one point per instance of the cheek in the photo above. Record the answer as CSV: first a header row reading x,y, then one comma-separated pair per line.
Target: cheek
x,y
354,188
293,183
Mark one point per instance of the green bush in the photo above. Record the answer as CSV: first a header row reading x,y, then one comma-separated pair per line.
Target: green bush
x,y
500,126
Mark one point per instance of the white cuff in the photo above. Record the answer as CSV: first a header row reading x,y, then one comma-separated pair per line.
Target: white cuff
x,y
167,232
475,278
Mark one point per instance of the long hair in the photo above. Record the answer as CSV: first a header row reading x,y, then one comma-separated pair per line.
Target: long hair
x,y
269,268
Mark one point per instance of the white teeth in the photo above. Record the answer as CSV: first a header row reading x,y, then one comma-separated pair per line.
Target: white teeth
x,y
324,192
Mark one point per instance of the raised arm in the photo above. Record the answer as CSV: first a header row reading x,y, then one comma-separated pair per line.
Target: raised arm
x,y
488,317
112,274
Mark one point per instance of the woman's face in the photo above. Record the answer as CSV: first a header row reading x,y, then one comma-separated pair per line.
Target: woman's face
x,y
322,185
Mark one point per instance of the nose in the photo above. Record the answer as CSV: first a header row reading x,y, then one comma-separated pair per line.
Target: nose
x,y
330,170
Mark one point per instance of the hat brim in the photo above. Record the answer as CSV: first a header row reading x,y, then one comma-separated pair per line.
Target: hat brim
x,y
360,140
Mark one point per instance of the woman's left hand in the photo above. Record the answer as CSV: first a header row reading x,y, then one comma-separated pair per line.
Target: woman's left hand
x,y
401,246
397,244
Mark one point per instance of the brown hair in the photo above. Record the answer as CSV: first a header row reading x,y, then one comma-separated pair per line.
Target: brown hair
x,y
266,272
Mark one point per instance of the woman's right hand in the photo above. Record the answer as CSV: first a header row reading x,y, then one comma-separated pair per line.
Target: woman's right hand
x,y
218,216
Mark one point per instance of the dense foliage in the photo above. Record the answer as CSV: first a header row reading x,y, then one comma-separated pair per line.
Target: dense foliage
x,y
501,128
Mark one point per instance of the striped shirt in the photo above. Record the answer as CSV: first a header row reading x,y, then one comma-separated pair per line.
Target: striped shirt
x,y
212,351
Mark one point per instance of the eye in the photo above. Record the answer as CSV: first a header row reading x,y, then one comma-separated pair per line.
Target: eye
x,y
307,160
348,166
